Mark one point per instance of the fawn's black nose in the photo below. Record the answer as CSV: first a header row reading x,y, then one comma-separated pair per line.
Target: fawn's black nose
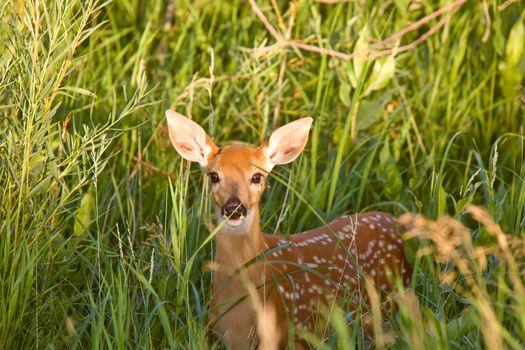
x,y
234,208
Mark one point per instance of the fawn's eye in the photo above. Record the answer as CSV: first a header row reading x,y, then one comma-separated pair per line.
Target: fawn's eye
x,y
214,177
256,178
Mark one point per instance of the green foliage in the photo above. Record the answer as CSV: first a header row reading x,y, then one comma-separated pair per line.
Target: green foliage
x,y
102,235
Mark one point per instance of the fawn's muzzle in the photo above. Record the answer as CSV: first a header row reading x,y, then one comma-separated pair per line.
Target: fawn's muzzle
x,y
233,208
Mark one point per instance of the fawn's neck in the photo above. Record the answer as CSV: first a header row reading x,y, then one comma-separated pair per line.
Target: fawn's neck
x,y
234,249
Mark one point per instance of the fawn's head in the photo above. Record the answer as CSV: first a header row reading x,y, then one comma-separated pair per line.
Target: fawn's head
x,y
237,172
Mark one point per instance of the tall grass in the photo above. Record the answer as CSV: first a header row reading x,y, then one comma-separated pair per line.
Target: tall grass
x,y
102,235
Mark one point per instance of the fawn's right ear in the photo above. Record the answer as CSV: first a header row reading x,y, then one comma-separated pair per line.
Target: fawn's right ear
x,y
286,143
190,139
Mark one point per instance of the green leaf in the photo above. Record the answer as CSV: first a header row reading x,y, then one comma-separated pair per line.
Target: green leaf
x,y
462,203
382,72
37,163
350,74
515,44
369,113
344,93
442,201
511,69
78,90
83,213
360,46
41,187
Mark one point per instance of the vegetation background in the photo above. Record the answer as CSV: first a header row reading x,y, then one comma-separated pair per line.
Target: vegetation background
x,y
102,242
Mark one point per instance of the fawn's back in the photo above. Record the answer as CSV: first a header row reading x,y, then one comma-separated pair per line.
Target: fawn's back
x,y
316,267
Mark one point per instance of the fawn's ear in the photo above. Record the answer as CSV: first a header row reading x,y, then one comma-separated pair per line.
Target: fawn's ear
x,y
286,143
190,139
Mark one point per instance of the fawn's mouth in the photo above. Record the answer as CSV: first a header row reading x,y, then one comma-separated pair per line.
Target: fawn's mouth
x,y
233,221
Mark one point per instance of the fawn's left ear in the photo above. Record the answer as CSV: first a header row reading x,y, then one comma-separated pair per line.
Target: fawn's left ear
x,y
286,143
190,139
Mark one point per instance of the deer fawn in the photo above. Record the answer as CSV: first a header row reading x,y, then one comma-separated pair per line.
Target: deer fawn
x,y
294,274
